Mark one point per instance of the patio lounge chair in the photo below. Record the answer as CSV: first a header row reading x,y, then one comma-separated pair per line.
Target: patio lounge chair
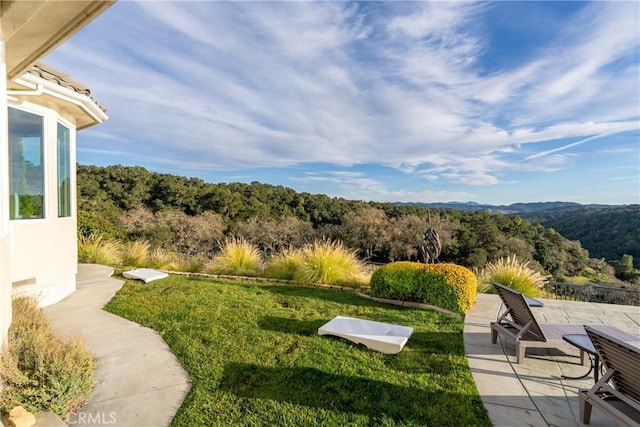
x,y
617,394
519,324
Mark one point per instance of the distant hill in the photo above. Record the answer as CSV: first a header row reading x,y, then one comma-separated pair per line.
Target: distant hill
x,y
515,208
606,232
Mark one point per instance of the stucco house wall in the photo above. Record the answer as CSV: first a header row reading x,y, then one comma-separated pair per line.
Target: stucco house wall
x,y
5,288
39,256
5,279
44,257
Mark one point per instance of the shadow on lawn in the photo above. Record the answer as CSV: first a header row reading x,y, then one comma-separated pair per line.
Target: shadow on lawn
x,y
439,342
305,328
326,294
317,389
434,348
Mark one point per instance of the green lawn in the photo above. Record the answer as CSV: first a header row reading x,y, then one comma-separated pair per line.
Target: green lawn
x,y
255,358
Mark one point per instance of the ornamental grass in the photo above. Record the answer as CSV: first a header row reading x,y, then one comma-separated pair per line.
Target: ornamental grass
x,y
327,262
95,249
511,272
285,264
136,253
237,257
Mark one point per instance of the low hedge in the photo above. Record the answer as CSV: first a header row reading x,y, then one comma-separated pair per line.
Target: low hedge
x,y
444,285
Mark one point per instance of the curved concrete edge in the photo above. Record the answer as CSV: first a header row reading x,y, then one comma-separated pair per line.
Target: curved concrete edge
x,y
139,382
503,395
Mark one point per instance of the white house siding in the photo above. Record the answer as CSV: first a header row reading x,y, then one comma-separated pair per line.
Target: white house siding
x,y
44,252
5,279
40,255
44,259
5,287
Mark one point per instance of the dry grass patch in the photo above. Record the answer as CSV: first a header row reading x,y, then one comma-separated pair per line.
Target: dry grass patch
x,y
193,264
95,249
163,260
38,370
285,264
136,253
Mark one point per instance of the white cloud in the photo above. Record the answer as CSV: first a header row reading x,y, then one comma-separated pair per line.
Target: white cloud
x,y
234,85
356,185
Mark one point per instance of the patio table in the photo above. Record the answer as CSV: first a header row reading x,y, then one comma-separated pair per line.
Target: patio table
x,y
583,342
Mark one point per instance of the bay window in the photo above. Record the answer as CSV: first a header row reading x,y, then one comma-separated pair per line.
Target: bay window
x,y
26,165
64,171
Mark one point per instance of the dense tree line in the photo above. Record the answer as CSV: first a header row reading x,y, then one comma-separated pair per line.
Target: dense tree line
x,y
189,215
609,232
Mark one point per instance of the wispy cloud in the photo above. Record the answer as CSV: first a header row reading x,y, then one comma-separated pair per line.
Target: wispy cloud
x,y
564,147
345,184
239,85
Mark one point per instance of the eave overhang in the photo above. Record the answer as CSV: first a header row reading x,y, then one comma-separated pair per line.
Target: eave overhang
x,y
43,86
32,29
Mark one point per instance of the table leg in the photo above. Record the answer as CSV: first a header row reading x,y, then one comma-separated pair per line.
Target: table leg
x,y
594,362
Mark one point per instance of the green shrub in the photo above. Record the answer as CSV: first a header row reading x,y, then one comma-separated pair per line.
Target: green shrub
x,y
448,286
237,257
95,249
38,370
511,272
95,223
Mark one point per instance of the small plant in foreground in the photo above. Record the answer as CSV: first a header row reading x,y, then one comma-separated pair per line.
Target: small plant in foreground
x,y
38,370
238,257
511,272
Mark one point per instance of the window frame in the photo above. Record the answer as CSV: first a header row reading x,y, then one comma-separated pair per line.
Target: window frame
x,y
45,158
71,160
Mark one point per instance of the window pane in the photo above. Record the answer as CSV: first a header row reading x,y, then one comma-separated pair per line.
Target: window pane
x,y
26,170
64,171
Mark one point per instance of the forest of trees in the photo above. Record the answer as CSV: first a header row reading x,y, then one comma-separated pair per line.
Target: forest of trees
x,y
190,216
608,232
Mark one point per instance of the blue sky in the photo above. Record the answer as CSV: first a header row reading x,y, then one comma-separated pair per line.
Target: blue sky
x,y
496,102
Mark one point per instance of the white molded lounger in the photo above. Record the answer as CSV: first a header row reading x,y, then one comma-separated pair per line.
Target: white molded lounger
x,y
145,274
383,337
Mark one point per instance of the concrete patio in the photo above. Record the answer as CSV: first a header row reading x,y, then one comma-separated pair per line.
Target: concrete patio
x,y
533,393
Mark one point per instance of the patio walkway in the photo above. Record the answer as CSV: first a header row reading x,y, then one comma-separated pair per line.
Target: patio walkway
x,y
533,393
139,380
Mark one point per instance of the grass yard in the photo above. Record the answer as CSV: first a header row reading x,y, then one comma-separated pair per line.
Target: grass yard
x,y
255,358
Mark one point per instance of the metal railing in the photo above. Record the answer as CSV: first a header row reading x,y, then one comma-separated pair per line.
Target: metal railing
x,y
593,293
